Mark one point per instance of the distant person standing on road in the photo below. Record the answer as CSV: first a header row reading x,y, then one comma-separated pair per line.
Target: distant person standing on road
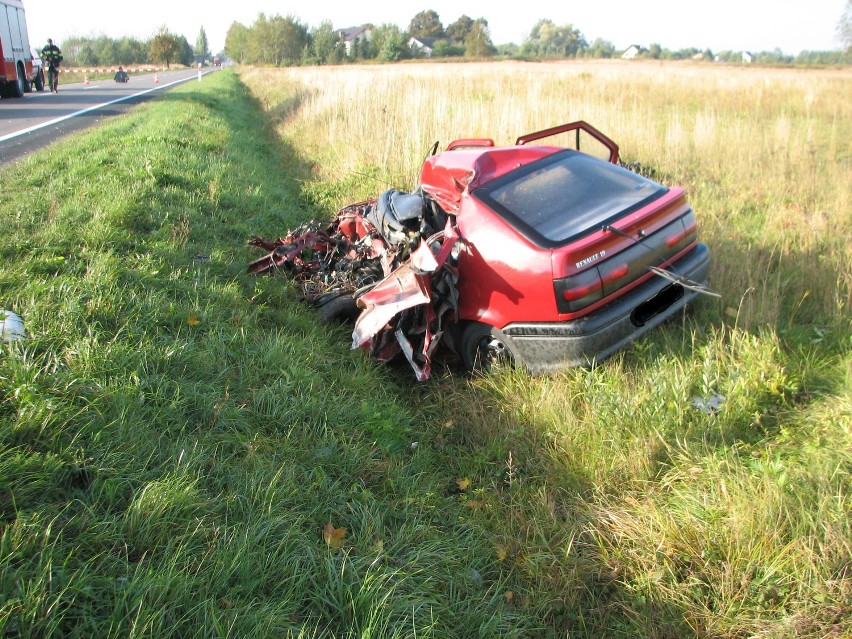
x,y
52,56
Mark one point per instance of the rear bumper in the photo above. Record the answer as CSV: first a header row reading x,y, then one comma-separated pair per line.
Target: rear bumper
x,y
551,346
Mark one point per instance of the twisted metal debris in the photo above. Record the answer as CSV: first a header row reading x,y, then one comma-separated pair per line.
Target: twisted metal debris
x,y
400,282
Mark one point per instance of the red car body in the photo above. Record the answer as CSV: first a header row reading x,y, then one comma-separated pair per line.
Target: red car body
x,y
540,254
550,301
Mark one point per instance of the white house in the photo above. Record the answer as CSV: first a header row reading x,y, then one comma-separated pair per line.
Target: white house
x,y
350,34
423,45
747,57
631,52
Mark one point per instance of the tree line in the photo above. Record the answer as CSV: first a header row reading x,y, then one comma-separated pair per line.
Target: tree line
x,y
285,41
162,48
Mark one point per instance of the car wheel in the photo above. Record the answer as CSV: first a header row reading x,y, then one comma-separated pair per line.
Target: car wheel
x,y
339,310
39,81
483,347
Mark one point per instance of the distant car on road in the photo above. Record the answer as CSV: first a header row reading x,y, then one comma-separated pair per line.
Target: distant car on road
x,y
38,71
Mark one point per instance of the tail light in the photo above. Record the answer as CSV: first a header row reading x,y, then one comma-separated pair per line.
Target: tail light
x,y
578,291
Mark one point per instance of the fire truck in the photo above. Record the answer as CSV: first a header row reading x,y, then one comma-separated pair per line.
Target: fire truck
x,y
18,75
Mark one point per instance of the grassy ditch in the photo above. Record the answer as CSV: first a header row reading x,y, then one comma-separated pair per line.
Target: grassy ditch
x,y
185,452
176,435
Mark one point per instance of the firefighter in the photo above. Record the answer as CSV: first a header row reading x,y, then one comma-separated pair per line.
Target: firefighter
x,y
52,56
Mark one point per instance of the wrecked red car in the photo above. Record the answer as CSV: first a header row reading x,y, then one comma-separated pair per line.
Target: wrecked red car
x,y
539,254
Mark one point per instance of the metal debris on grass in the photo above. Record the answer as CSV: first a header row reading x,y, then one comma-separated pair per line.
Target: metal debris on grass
x,y
709,405
400,283
12,326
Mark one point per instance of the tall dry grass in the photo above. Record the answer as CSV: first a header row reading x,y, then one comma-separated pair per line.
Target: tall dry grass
x,y
765,153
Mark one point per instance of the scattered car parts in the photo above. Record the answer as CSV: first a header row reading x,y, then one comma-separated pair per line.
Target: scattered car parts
x,y
11,327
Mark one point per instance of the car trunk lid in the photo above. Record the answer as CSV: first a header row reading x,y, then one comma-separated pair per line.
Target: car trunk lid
x,y
618,255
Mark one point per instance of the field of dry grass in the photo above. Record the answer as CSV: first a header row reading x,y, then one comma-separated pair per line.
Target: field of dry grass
x,y
767,152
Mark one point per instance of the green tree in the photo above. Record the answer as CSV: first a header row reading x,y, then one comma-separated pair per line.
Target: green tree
x,y
132,51
368,49
356,49
186,55
426,24
86,55
202,47
108,52
446,49
844,28
685,54
390,43
278,41
508,50
773,57
601,48
655,51
548,40
478,44
324,41
458,30
165,47
824,57
340,51
102,50
291,38
237,42
257,51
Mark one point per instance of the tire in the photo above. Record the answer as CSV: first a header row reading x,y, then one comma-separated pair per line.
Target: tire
x,y
38,83
339,310
484,347
18,86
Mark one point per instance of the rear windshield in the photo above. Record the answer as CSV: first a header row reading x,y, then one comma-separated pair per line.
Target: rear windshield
x,y
563,196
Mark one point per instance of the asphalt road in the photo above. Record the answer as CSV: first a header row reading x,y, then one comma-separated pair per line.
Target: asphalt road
x,y
40,118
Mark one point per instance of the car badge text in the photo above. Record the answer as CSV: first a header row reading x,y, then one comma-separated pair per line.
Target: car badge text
x,y
590,259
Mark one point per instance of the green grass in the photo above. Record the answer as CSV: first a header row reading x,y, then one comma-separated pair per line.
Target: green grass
x,y
175,434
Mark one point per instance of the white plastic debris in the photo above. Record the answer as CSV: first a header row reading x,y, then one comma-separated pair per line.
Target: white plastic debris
x,y
709,405
13,326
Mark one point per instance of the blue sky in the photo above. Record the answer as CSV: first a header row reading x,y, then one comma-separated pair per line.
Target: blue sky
x,y
753,25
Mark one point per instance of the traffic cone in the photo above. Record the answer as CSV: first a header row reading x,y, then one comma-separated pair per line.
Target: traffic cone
x,y
86,80
156,79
